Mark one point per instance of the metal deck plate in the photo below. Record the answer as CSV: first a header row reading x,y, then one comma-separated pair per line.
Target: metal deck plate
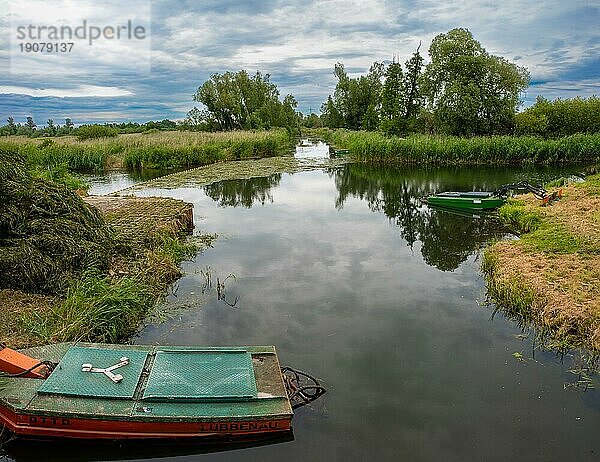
x,y
201,375
68,379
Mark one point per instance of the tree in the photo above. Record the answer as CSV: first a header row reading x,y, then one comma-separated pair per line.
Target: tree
x,y
11,127
470,91
357,100
560,117
412,87
330,114
30,124
392,102
50,128
238,101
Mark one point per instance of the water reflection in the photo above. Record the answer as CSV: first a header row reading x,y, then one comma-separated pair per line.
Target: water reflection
x,y
447,238
235,193
93,450
310,148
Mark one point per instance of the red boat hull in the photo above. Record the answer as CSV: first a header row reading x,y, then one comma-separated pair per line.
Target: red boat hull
x,y
52,426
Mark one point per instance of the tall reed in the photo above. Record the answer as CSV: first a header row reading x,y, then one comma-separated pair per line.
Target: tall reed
x,y
375,147
175,149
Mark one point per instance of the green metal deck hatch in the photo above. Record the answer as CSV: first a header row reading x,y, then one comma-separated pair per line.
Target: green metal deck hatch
x,y
69,379
201,375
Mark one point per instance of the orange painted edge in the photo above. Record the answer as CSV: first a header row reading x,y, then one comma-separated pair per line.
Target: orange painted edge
x,y
13,362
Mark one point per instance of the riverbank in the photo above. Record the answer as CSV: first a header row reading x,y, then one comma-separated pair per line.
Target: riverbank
x,y
550,277
450,150
88,269
163,150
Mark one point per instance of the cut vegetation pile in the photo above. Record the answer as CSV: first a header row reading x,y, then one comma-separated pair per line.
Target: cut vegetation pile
x,y
70,272
48,235
551,276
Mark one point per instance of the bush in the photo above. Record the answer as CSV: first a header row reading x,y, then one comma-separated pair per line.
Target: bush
x,y
89,132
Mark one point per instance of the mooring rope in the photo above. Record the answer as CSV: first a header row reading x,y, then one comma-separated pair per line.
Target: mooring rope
x,y
302,388
49,364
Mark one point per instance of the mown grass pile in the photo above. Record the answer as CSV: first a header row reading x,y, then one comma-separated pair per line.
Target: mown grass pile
x,y
48,235
501,150
550,277
164,150
100,274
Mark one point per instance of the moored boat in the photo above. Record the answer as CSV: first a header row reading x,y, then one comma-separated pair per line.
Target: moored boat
x,y
476,200
489,200
98,391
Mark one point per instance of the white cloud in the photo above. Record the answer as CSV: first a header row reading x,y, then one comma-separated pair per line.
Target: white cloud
x,y
81,91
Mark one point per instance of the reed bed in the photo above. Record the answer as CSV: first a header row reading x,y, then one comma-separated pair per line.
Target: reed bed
x,y
164,150
498,150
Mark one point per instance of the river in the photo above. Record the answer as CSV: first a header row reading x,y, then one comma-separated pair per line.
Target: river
x,y
353,279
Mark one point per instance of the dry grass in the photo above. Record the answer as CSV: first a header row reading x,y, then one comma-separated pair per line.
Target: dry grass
x,y
557,265
16,306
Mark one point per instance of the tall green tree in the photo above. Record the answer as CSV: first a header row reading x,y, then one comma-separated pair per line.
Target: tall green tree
x,y
392,100
239,101
469,91
412,87
50,128
11,126
356,100
330,114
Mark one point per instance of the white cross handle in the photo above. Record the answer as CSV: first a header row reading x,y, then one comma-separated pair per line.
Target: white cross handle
x,y
108,371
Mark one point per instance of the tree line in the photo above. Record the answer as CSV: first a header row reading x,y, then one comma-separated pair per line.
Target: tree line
x,y
463,90
31,129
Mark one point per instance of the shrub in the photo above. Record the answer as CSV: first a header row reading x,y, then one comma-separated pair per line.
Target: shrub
x,y
89,132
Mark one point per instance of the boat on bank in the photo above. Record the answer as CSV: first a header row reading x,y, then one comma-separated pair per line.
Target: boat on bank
x,y
138,392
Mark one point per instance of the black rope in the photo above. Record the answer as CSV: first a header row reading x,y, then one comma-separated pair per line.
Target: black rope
x,y
302,388
49,364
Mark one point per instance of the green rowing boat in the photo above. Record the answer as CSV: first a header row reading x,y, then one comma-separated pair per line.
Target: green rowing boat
x,y
475,200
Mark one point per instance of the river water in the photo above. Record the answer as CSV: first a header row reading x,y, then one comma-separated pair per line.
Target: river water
x,y
354,280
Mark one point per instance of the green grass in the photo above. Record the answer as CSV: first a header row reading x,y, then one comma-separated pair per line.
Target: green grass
x,y
163,150
542,234
96,309
100,308
560,248
500,150
77,157
514,214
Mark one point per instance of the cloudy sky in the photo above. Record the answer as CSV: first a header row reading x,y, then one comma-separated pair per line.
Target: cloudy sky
x,y
296,42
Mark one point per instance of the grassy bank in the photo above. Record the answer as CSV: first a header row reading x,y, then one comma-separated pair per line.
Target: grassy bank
x,y
499,150
165,150
70,272
550,277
